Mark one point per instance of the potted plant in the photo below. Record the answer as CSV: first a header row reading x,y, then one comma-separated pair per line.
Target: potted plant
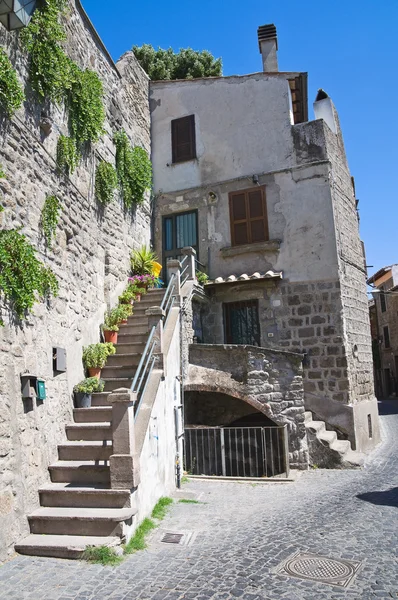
x,y
142,261
143,281
112,319
201,277
129,294
85,388
126,310
95,357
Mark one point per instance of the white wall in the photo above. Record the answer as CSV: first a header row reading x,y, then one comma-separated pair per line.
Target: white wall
x,y
243,126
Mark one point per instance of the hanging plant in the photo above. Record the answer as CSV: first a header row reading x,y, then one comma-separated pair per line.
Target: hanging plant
x,y
23,278
134,170
50,217
86,109
11,92
67,155
105,182
49,66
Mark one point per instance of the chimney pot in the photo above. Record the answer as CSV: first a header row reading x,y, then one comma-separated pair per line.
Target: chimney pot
x,y
268,45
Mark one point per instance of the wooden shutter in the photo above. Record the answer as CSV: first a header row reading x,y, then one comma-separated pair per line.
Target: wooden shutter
x,y
248,216
183,139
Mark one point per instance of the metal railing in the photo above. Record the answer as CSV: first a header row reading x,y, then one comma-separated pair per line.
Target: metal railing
x,y
184,275
168,299
144,370
200,266
237,451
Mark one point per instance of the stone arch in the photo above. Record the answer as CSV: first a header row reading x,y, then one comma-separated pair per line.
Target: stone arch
x,y
231,391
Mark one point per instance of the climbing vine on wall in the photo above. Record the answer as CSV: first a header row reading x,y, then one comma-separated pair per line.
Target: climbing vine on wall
x,y
105,182
67,155
50,217
23,278
54,76
134,170
11,92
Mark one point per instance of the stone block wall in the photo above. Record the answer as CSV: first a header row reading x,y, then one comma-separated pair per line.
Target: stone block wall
x,y
90,258
268,380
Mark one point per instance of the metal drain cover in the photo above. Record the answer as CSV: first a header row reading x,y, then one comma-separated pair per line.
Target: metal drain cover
x,y
333,571
172,538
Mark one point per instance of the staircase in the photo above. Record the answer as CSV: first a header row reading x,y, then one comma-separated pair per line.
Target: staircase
x,y
78,508
326,450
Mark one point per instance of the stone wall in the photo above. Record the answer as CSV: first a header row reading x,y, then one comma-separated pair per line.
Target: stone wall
x,y
270,381
90,258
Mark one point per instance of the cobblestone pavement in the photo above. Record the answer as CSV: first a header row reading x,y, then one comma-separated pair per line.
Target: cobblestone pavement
x,y
241,532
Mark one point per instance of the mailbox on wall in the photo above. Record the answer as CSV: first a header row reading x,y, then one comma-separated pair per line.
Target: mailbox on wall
x,y
32,387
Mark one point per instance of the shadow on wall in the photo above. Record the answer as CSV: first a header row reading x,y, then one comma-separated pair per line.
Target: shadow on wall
x,y
386,498
388,407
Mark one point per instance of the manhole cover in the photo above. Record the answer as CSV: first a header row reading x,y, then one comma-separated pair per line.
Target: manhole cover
x,y
334,571
172,538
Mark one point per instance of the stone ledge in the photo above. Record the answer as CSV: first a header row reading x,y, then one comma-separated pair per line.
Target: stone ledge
x,y
269,246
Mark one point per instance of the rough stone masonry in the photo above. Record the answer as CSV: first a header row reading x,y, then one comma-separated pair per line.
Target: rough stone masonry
x,y
89,260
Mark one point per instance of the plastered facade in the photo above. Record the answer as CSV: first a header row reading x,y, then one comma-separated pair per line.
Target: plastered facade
x,y
245,136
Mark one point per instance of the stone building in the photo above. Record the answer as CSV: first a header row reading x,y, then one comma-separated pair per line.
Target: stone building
x,y
266,199
383,312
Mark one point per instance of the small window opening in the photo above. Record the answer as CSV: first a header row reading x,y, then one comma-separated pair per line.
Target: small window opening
x,y
370,427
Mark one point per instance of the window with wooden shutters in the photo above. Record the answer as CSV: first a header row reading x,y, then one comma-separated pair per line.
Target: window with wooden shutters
x,y
248,213
183,139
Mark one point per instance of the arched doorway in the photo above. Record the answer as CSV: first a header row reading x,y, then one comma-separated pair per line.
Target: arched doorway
x,y
227,436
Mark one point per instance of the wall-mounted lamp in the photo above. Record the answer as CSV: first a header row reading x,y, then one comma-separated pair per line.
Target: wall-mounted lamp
x,y
255,179
15,14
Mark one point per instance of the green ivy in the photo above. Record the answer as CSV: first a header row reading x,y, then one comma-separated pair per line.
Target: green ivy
x,y
50,69
67,155
2,172
23,278
50,217
86,110
11,92
105,182
134,170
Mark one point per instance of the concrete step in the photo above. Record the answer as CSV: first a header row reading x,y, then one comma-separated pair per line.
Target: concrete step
x,y
79,521
352,459
62,546
341,446
133,348
115,383
94,496
128,359
89,431
95,414
140,336
122,372
79,472
79,450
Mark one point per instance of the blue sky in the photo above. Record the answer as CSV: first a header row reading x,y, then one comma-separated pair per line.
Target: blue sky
x,y
349,48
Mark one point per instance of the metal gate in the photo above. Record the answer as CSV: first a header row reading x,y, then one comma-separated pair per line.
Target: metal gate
x,y
236,451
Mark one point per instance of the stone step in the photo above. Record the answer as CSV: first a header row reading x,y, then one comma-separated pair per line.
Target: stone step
x,y
130,359
140,336
96,414
100,399
89,431
133,348
94,496
62,546
79,472
139,325
327,437
122,372
352,459
316,426
79,450
79,521
307,416
341,446
115,383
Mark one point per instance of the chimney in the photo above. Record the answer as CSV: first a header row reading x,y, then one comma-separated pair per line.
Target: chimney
x,y
268,45
324,109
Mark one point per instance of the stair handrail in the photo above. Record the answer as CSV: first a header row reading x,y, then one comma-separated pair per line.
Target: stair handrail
x,y
144,369
168,298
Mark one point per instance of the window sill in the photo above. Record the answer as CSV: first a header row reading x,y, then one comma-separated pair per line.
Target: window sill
x,y
269,246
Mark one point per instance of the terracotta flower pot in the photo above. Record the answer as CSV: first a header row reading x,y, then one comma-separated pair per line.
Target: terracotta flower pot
x,y
122,323
94,372
138,298
110,336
